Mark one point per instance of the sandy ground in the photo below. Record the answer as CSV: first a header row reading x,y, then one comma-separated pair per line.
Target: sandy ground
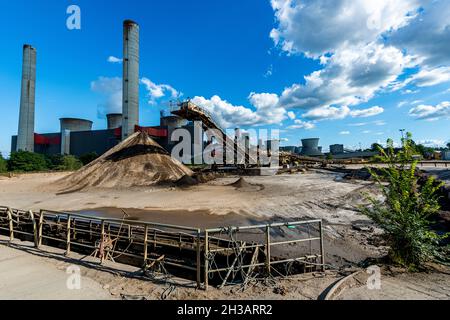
x,y
26,276
315,194
27,273
349,237
395,283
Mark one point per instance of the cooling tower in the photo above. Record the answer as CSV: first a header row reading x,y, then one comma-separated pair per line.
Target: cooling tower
x,y
337,148
69,125
114,120
25,136
74,124
130,103
311,147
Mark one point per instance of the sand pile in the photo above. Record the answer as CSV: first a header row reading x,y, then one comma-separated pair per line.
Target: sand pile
x,y
242,185
136,162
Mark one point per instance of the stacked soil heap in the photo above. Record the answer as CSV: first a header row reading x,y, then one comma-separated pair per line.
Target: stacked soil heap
x,y
136,162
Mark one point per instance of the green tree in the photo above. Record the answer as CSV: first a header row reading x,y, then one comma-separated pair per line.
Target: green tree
x,y
375,146
54,161
27,161
405,212
88,157
70,163
3,164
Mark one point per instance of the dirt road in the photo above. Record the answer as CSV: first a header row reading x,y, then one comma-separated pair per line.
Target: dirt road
x,y
25,276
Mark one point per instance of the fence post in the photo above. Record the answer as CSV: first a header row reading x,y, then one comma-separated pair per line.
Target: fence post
x,y
35,235
41,222
268,249
68,235
199,282
11,226
102,242
206,259
322,255
145,243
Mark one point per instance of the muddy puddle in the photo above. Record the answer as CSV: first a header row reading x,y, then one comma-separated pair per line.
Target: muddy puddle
x,y
197,218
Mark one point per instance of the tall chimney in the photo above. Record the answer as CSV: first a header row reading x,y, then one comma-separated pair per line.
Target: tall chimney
x,y
25,136
130,103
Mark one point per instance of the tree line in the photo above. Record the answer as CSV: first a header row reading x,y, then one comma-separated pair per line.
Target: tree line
x,y
24,161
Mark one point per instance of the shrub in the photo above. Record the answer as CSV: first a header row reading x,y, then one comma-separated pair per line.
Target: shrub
x,y
3,164
70,163
54,161
26,161
88,157
405,213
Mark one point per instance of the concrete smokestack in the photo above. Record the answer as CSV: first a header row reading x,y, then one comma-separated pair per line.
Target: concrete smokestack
x,y
130,103
25,136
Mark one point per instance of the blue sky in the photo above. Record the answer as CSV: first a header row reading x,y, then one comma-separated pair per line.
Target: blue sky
x,y
285,64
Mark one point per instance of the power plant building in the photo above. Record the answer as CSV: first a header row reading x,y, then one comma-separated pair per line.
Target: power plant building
x,y
76,136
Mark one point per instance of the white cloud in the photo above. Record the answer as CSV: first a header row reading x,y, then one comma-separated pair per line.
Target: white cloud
x,y
351,76
158,91
327,113
333,113
107,85
343,133
291,115
299,124
431,113
430,77
317,27
402,103
228,115
364,113
364,48
409,91
263,100
379,123
427,36
362,124
113,59
269,72
358,124
111,90
432,143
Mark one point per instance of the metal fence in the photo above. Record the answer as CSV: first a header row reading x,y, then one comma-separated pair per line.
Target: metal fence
x,y
217,256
